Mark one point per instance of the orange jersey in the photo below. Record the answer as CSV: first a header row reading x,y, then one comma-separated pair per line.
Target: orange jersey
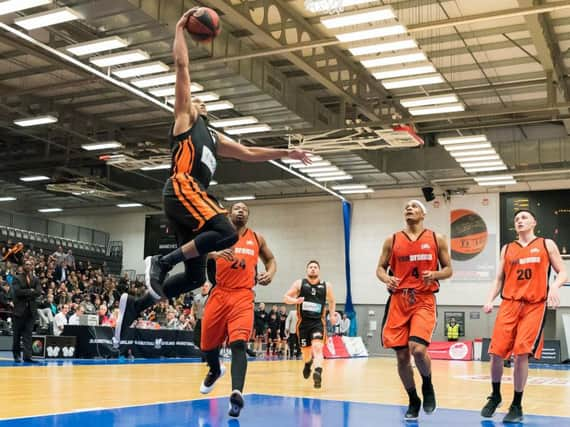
x,y
239,273
526,271
409,259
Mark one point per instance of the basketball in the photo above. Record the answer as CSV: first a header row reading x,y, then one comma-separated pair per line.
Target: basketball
x,y
203,25
468,234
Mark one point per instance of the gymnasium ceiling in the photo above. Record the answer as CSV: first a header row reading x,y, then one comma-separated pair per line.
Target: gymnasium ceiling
x,y
505,61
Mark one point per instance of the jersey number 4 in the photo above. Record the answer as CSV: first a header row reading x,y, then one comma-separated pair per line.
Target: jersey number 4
x,y
239,263
416,273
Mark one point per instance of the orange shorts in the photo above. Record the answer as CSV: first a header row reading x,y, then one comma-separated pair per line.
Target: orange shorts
x,y
228,313
518,329
408,317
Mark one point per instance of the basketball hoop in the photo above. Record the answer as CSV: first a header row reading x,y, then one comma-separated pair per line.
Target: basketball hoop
x,y
328,6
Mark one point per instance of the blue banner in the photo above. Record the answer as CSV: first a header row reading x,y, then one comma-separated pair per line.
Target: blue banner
x,y
347,217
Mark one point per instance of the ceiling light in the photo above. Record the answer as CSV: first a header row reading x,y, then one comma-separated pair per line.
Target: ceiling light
x,y
312,170
208,96
485,169
213,182
384,31
248,129
463,147
129,205
492,183
438,109
312,165
366,190
35,178
402,58
479,164
478,158
331,173
238,198
428,100
7,199
462,154
383,47
493,178
219,105
171,90
313,158
96,46
160,80
45,19
141,70
155,167
359,17
119,58
403,71
349,187
10,6
462,139
333,178
36,121
48,210
429,79
101,145
236,121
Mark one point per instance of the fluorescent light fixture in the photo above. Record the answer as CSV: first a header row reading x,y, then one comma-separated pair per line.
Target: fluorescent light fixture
x,y
238,198
155,167
45,19
313,170
320,174
35,178
437,109
313,157
323,5
479,164
36,121
462,139
17,5
171,90
96,46
384,31
383,47
312,165
403,71
218,106
463,147
486,168
160,80
366,190
101,145
359,17
208,96
141,70
129,205
494,178
120,58
401,58
493,183
461,154
48,210
248,129
429,79
213,182
350,187
428,100
7,199
236,121
478,158
333,178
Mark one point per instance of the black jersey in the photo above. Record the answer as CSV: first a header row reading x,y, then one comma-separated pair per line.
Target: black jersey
x,y
313,307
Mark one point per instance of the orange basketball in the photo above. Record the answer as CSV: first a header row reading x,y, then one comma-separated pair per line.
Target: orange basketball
x,y
468,234
203,25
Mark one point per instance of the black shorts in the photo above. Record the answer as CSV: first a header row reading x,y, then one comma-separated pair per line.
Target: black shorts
x,y
309,330
282,334
259,331
273,335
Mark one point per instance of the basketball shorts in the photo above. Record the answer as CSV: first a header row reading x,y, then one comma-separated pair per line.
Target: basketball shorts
x,y
228,313
272,334
309,330
519,329
259,331
408,316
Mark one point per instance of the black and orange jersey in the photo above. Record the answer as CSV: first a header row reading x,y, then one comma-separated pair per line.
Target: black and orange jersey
x,y
410,258
239,273
526,271
315,300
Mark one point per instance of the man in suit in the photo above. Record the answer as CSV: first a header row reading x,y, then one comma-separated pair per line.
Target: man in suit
x,y
26,289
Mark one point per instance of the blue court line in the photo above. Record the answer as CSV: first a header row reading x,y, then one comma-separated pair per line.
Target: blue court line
x,y
276,411
81,362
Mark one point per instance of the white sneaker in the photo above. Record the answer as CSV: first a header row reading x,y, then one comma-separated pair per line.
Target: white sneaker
x,y
210,381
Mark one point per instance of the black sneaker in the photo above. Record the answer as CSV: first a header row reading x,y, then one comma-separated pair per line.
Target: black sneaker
x,y
127,315
307,369
154,274
515,415
317,377
429,399
250,352
211,379
413,410
236,403
491,406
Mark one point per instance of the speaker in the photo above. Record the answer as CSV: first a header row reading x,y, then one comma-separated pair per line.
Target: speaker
x,y
428,193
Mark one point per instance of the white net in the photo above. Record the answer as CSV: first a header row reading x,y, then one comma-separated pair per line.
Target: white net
x,y
324,6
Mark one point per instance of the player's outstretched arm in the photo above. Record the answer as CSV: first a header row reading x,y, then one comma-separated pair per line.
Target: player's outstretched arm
x,y
231,149
292,295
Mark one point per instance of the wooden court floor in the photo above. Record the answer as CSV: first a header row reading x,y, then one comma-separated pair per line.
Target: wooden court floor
x,y
37,390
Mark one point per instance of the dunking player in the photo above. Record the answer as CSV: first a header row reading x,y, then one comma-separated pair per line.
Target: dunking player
x,y
200,224
522,280
229,311
311,295
413,256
